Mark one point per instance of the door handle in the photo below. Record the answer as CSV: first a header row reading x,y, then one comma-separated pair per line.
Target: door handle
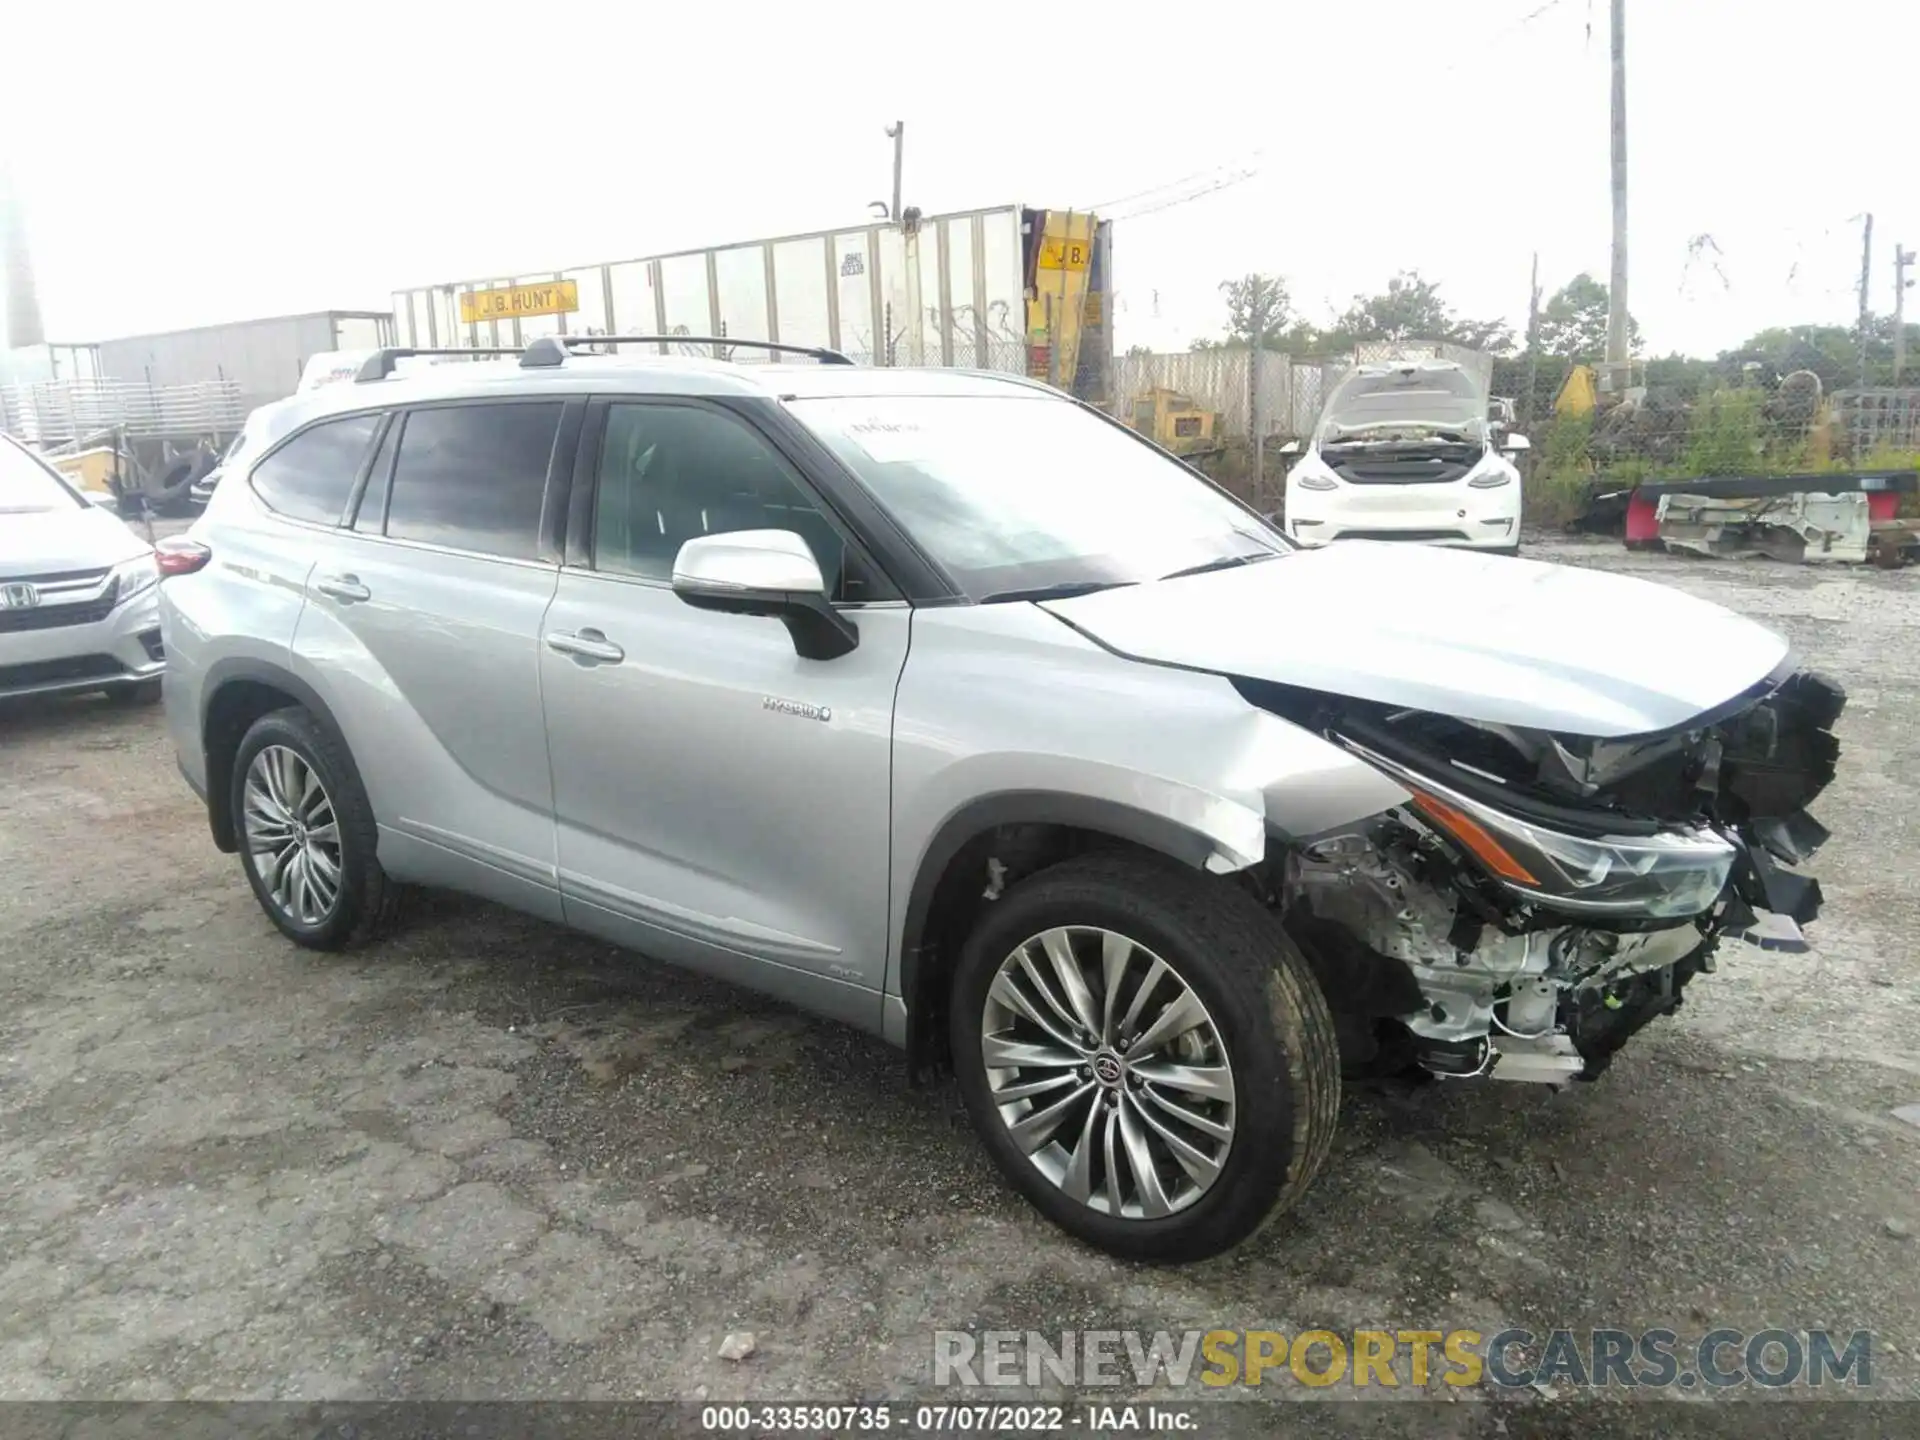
x,y
345,588
586,644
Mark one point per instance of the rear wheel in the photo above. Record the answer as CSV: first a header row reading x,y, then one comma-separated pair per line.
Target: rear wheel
x,y
306,832
1146,1055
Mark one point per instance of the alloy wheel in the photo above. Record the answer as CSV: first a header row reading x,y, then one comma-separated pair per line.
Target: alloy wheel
x,y
292,835
1108,1072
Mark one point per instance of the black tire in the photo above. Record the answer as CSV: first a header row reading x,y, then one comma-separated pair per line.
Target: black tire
x,y
1264,1002
365,897
144,692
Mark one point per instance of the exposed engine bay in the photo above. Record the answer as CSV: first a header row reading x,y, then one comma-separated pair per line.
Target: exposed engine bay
x,y
1543,896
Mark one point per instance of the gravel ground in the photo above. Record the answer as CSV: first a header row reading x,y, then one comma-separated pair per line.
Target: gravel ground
x,y
487,1158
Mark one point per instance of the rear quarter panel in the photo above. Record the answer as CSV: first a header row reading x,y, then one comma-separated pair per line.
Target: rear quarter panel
x,y
243,606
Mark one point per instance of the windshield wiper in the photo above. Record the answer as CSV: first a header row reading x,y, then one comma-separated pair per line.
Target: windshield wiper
x,y
1225,562
1065,590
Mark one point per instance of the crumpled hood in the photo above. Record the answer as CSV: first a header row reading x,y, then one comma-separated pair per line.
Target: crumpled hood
x,y
1480,637
48,542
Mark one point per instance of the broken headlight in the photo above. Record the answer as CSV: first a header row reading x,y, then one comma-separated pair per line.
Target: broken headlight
x,y
1668,876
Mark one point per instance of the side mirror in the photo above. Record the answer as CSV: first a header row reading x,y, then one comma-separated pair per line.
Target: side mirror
x,y
765,572
1292,447
1514,444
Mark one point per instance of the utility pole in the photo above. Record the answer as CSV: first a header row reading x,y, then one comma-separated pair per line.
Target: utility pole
x,y
1866,279
1254,418
1902,258
1618,325
909,223
897,132
1533,346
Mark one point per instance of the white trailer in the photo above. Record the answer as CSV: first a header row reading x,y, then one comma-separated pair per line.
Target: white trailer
x,y
1010,288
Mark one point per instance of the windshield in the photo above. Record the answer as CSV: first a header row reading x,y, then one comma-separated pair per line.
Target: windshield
x,y
1021,493
27,485
1410,404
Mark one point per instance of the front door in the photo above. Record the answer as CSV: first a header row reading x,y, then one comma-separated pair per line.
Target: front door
x,y
721,802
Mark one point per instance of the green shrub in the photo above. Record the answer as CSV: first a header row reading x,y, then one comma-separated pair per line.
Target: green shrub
x,y
1567,444
1553,498
1727,433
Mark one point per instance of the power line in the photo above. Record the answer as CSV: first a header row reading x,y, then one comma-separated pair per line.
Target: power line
x,y
1248,169
1152,189
1528,18
1224,182
1216,176
1478,54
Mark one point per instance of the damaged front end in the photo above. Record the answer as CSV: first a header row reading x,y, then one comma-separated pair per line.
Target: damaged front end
x,y
1540,897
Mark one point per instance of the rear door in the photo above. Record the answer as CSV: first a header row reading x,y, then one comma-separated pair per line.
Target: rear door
x,y
422,626
721,801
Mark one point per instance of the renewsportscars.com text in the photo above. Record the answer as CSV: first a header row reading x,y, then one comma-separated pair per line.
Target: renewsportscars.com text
x,y
1658,1358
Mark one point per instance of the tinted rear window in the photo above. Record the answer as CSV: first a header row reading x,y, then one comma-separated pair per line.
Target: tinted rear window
x,y
472,477
310,477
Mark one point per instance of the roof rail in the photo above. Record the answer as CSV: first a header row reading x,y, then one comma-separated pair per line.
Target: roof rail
x,y
550,350
379,365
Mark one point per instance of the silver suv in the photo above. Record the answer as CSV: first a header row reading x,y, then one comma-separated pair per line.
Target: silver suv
x,y
941,704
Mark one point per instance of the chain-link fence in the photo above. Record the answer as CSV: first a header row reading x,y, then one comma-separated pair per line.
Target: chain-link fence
x,y
1677,419
1292,389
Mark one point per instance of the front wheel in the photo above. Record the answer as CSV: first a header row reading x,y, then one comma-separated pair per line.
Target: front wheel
x,y
1145,1054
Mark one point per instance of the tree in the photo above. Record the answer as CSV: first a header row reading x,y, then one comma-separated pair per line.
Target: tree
x,y
1573,324
1410,308
1256,307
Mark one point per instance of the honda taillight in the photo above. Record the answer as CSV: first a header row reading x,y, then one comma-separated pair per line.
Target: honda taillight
x,y
181,556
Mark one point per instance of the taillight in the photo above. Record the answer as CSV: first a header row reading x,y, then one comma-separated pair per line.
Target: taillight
x,y
178,555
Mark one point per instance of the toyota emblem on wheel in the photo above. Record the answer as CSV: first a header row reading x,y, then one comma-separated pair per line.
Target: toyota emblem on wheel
x,y
1107,1068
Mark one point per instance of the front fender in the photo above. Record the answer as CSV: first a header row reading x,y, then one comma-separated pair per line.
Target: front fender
x,y
1004,715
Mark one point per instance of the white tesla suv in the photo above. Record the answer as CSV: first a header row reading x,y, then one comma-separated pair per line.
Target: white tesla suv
x,y
1404,452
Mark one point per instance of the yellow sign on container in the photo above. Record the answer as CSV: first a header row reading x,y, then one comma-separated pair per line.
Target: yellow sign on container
x,y
1065,252
555,297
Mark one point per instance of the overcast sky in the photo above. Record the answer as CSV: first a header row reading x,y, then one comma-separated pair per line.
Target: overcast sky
x,y
194,162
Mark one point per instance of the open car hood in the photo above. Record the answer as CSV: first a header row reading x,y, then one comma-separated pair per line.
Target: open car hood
x,y
1480,637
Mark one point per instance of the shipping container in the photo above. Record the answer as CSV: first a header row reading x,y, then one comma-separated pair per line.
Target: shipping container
x,y
1009,288
263,358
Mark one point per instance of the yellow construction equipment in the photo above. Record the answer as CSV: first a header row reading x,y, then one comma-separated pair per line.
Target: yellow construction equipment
x,y
88,470
1579,392
1173,421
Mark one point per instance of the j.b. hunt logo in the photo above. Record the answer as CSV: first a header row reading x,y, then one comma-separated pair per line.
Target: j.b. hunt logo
x,y
1389,1359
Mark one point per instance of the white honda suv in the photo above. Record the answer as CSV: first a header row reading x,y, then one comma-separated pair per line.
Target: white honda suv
x,y
79,607
1404,452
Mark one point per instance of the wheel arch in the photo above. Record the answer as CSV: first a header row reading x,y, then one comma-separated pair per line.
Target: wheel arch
x,y
1025,830
237,692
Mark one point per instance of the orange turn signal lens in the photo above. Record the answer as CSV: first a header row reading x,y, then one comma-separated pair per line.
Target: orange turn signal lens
x,y
1470,833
